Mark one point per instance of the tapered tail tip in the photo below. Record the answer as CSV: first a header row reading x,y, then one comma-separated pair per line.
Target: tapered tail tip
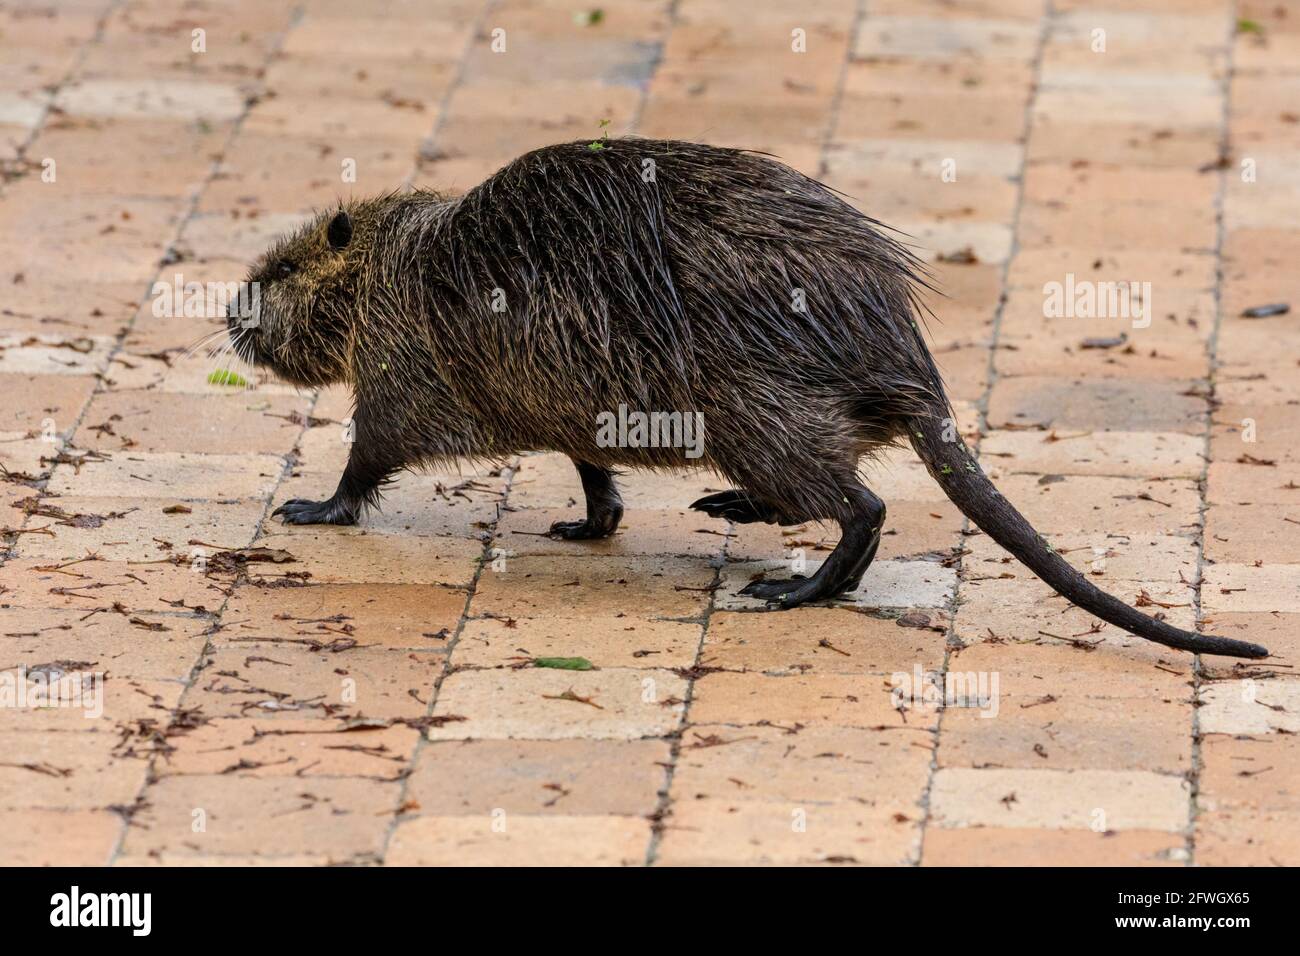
x,y
1226,647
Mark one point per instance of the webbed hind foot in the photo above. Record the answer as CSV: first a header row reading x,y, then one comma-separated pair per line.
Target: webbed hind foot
x,y
769,589
841,572
739,507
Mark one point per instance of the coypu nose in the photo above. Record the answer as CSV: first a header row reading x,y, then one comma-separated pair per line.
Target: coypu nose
x,y
241,311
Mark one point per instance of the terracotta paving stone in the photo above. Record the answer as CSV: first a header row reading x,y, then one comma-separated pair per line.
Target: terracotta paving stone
x,y
398,616
1059,799
61,305
169,157
271,169
41,837
939,38
1246,533
1250,707
524,841
1034,671
159,859
57,397
1125,144
1248,838
1231,767
1099,505
274,680
28,458
1047,224
841,700
988,242
792,642
907,161
1082,405
1251,588
375,700
1135,454
594,587
176,476
964,367
900,475
289,748
65,771
1069,732
125,704
815,766
561,778
352,556
1005,846
628,641
1254,430
211,424
1164,268
1241,483
342,819
1247,342
1067,183
166,99
1108,350
140,644
753,832
539,704
1111,349
53,354
138,529
30,583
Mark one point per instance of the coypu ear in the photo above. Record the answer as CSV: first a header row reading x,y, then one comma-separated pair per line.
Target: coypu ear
x,y
339,232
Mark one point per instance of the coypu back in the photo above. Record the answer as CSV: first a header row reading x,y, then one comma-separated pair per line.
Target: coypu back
x,y
656,273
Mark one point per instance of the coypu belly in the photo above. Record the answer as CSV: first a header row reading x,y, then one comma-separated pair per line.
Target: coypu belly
x,y
596,416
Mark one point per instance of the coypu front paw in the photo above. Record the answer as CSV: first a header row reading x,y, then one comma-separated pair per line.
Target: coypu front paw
x,y
302,511
583,530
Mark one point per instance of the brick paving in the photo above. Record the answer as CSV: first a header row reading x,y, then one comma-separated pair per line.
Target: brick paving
x,y
372,701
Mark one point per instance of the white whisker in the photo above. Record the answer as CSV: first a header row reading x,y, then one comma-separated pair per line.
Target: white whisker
x,y
205,340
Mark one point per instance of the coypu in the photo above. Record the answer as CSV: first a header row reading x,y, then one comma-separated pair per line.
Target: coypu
x,y
652,275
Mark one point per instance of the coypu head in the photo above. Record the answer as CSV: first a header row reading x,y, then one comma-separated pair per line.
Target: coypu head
x,y
295,315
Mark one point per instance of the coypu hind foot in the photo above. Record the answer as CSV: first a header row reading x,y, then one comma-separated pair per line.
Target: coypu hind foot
x,y
604,507
840,573
737,506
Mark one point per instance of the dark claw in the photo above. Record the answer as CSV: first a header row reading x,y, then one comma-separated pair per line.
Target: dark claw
x,y
582,530
782,595
772,589
302,511
737,506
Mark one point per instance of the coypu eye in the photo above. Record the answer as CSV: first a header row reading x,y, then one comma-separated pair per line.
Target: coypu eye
x,y
284,269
